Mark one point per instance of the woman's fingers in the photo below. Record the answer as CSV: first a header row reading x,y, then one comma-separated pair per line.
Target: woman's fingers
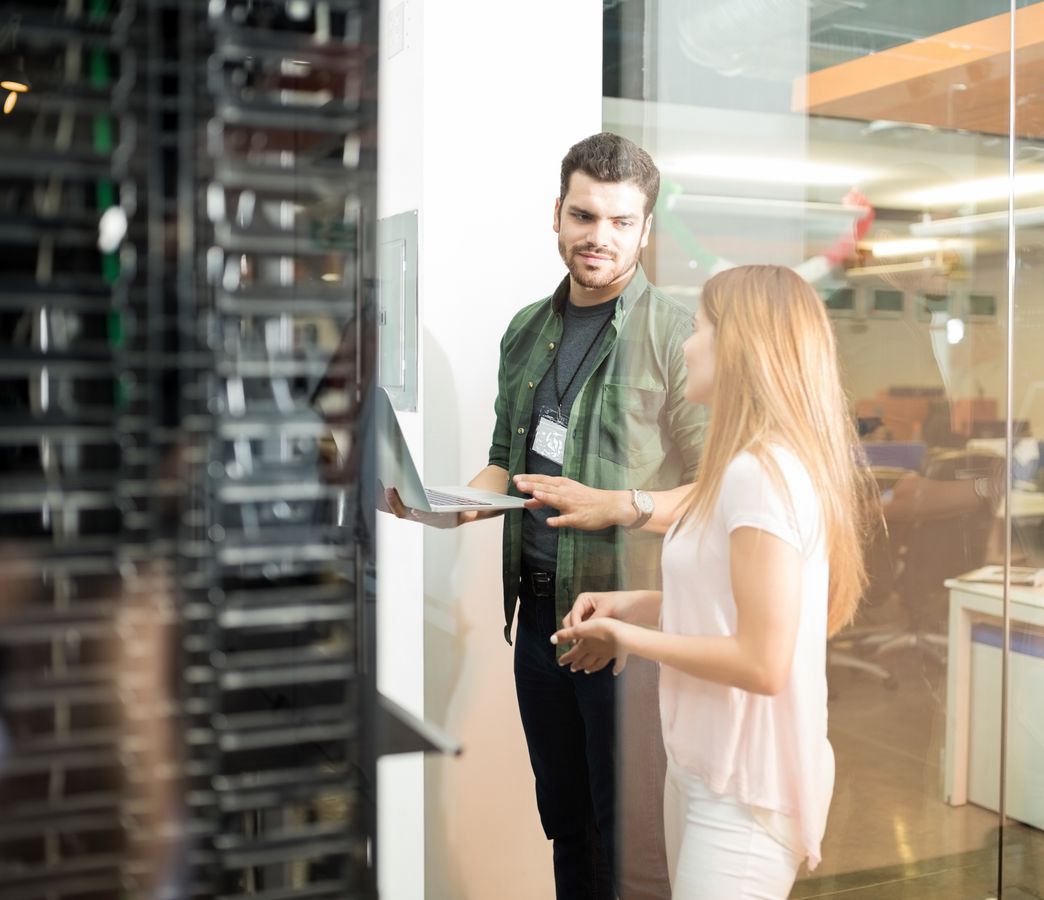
x,y
581,658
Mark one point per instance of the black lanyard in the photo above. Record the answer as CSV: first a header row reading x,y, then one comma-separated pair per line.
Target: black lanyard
x,y
559,393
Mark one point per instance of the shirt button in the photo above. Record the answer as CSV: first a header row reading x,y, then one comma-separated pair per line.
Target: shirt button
x,y
551,346
531,385
521,430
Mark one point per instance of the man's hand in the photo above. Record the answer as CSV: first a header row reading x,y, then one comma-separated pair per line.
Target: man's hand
x,y
579,506
393,504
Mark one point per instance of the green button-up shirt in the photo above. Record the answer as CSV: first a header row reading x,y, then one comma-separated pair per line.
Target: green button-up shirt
x,y
629,427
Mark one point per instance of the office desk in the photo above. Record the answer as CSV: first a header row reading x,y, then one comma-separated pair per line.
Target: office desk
x,y
1025,505
972,750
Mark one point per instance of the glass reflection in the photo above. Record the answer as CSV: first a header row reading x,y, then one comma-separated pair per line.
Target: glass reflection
x,y
838,148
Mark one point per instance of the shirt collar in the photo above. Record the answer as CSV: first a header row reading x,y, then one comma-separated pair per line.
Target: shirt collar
x,y
635,288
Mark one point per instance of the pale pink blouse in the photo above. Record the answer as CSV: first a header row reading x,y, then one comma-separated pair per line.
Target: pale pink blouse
x,y
772,752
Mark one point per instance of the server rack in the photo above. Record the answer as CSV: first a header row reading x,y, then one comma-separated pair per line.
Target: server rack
x,y
186,671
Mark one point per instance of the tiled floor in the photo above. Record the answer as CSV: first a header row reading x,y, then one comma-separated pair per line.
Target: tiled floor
x,y
890,834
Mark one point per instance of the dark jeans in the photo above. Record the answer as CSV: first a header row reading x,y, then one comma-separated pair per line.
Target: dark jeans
x,y
569,724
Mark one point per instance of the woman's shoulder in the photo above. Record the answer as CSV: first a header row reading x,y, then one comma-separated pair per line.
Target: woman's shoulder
x,y
770,488
773,466
759,461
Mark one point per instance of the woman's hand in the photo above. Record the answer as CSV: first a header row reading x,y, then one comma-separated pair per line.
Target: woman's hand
x,y
597,641
638,607
597,623
579,506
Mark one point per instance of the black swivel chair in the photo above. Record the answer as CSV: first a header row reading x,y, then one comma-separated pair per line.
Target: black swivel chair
x,y
855,647
935,549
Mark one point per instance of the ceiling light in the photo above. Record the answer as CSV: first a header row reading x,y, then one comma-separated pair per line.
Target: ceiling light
x,y
765,170
890,125
912,246
331,277
924,265
977,191
906,247
14,88
763,208
962,225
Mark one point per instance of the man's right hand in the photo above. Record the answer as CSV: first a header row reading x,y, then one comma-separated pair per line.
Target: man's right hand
x,y
394,505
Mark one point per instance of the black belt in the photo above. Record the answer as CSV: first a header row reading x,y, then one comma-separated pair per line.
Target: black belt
x,y
537,583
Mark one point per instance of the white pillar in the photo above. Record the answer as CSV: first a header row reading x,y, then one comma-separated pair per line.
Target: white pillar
x,y
476,111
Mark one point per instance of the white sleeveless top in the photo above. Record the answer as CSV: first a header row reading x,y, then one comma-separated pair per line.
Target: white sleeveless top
x,y
771,753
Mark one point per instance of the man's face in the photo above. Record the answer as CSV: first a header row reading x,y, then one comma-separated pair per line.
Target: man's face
x,y
601,228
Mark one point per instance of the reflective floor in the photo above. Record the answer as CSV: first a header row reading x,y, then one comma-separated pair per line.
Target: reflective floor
x,y
890,834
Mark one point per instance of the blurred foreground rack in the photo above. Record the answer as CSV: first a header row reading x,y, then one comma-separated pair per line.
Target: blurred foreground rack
x,y
186,584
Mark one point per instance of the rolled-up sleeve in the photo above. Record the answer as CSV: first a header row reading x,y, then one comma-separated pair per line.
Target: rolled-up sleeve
x,y
500,447
687,422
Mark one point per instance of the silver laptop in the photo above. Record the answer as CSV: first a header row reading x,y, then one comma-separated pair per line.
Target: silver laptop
x,y
395,468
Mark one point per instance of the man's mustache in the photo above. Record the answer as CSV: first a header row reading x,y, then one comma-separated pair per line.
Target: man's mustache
x,y
591,248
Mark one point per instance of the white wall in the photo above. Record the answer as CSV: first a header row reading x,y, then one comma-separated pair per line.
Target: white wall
x,y
400,631
475,115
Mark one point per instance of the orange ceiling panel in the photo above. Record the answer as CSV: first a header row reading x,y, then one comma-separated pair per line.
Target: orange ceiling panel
x,y
954,79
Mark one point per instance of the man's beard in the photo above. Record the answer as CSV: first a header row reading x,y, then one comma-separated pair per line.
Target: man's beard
x,y
583,276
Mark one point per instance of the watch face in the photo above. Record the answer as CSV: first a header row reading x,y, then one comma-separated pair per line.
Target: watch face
x,y
644,501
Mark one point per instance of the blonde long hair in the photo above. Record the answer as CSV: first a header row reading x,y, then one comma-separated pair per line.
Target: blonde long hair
x,y
777,382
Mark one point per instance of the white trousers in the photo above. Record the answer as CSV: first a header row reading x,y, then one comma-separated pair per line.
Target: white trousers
x,y
716,849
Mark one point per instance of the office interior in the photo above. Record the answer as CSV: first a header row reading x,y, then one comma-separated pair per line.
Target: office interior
x,y
223,674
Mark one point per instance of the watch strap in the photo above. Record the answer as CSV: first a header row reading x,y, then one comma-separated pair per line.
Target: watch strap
x,y
643,516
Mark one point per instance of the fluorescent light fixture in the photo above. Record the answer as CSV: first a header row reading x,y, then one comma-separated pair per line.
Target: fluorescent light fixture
x,y
912,246
924,265
964,225
765,170
978,191
764,208
889,125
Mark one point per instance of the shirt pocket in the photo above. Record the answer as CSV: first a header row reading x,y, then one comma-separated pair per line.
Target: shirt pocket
x,y
629,424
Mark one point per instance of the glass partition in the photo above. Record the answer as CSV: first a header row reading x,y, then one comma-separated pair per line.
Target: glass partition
x,y
1019,739
867,145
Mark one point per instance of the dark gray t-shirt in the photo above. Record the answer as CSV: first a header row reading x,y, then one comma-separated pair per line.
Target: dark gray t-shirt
x,y
583,330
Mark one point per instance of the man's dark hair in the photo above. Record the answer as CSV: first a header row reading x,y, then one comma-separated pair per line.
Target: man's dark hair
x,y
614,159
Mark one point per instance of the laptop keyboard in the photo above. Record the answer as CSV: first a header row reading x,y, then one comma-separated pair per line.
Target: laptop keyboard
x,y
441,499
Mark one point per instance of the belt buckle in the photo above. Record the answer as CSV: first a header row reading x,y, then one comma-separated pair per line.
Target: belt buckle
x,y
542,583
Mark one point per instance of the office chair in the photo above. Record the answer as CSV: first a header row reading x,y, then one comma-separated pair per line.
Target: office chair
x,y
934,550
849,648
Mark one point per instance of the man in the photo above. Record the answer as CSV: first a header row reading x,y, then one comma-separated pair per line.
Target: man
x,y
590,402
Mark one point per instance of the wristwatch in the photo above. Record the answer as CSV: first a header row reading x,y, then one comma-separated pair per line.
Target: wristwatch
x,y
644,505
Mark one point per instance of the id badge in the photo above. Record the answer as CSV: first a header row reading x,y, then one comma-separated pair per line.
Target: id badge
x,y
549,440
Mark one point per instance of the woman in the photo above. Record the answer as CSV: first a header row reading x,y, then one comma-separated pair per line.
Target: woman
x,y
764,563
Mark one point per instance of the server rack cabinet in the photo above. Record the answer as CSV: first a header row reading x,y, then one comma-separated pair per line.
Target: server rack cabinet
x,y
186,659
